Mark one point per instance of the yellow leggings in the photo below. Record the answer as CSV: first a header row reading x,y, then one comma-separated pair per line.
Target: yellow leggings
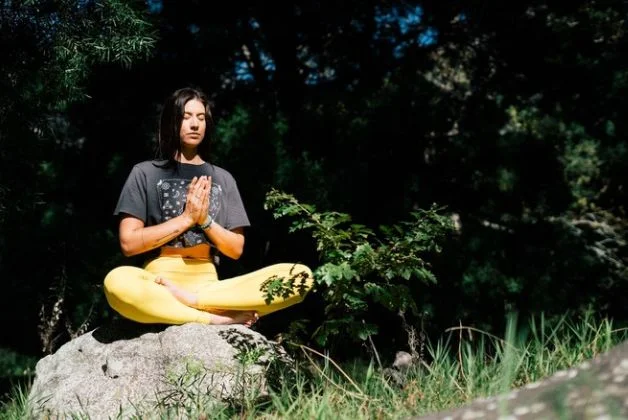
x,y
133,293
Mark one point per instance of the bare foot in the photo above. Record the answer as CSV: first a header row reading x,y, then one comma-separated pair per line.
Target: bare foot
x,y
183,296
246,318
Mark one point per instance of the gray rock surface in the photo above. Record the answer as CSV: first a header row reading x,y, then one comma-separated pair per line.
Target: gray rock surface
x,y
124,368
596,389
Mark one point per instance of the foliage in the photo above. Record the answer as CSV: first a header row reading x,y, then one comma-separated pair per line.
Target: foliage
x,y
15,364
510,117
359,269
67,38
51,48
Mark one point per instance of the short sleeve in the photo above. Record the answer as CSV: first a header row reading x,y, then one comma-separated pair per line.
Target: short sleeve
x,y
133,198
236,214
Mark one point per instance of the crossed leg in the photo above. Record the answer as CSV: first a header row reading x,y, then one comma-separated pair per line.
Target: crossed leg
x,y
246,292
135,294
247,318
147,296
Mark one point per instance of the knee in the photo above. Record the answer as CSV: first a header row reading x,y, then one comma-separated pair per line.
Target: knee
x,y
296,270
301,268
117,282
290,268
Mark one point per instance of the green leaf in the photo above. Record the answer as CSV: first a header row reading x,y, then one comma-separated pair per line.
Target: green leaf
x,y
347,272
365,330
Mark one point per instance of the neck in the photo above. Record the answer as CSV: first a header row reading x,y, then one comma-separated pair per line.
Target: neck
x,y
189,156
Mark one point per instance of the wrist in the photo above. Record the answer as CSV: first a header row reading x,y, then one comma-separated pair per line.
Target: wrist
x,y
189,221
207,223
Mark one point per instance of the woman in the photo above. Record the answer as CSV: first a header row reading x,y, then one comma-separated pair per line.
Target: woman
x,y
188,209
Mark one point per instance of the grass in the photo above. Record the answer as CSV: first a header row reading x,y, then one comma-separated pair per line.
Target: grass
x,y
463,364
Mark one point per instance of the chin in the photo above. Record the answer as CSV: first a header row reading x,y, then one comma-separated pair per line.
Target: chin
x,y
191,142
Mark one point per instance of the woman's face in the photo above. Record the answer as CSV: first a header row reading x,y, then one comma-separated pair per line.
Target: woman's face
x,y
193,124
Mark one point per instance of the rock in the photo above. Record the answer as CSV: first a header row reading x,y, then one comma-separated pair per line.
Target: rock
x,y
125,368
596,389
403,361
398,372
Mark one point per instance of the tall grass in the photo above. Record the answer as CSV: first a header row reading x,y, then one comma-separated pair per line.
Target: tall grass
x,y
463,364
15,406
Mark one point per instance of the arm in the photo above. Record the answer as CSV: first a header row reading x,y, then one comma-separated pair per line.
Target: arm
x,y
228,242
136,239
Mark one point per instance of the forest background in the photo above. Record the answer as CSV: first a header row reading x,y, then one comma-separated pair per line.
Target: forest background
x,y
495,130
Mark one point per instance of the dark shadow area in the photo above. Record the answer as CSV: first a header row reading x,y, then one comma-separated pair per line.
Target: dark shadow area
x,y
123,329
511,117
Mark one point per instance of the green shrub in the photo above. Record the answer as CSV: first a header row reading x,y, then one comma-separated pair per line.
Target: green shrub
x,y
358,269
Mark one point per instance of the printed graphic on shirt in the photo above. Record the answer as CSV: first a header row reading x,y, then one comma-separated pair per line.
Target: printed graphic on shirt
x,y
172,197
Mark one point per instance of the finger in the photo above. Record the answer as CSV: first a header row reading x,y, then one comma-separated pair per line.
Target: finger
x,y
204,184
191,185
207,189
199,187
203,189
199,183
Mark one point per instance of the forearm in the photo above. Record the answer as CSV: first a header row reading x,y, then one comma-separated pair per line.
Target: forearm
x,y
228,242
142,239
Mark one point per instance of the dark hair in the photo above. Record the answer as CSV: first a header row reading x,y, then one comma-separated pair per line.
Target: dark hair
x,y
169,140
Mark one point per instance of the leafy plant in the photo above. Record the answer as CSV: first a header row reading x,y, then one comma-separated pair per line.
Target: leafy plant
x,y
359,268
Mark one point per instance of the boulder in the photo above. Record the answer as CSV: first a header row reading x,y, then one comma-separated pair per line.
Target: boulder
x,y
124,369
596,389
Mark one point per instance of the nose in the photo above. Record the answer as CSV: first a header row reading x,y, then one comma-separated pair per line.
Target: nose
x,y
194,123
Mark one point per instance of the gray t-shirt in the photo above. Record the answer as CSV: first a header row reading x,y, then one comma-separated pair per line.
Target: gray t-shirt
x,y
155,194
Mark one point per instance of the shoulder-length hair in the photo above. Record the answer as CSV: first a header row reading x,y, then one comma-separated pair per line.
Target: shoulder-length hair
x,y
169,140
